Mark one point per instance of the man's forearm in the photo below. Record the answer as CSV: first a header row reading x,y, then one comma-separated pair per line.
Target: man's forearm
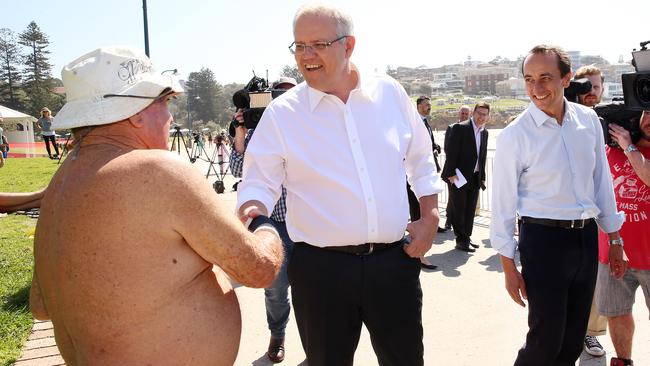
x,y
429,207
641,166
10,202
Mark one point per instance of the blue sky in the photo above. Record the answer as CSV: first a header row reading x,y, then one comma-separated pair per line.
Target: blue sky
x,y
235,37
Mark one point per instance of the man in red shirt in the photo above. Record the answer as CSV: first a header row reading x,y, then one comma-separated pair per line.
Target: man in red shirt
x,y
630,167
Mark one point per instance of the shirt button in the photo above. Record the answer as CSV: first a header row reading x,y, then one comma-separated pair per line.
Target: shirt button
x,y
362,170
372,230
369,199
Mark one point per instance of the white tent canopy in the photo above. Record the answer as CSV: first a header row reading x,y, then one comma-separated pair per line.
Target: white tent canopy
x,y
17,126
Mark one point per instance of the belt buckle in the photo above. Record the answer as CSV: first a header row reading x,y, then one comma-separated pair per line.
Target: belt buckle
x,y
577,224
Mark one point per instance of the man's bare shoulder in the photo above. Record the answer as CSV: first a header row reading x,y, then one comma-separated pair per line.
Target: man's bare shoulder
x,y
159,164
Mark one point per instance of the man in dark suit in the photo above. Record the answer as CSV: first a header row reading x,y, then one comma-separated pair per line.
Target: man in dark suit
x,y
466,151
463,115
423,104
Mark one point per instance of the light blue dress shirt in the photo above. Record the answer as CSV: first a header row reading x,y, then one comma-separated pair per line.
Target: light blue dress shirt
x,y
546,170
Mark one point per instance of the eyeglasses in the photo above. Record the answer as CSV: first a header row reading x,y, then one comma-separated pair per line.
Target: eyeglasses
x,y
300,48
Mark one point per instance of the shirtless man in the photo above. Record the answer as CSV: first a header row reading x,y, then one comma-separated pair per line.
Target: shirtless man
x,y
128,232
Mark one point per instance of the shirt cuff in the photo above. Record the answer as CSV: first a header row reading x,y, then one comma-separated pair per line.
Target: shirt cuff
x,y
506,249
254,193
611,223
428,185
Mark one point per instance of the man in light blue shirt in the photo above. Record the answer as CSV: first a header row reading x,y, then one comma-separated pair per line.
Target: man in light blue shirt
x,y
551,171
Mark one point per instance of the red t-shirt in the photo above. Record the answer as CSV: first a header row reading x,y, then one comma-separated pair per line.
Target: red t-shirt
x,y
633,198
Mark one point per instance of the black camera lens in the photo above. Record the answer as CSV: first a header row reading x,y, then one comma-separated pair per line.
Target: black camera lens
x,y
642,88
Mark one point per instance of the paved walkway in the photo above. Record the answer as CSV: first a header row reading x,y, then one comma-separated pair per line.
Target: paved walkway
x,y
468,318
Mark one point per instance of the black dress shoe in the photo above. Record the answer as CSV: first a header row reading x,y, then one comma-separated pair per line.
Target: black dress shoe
x,y
473,245
465,248
428,266
442,229
275,353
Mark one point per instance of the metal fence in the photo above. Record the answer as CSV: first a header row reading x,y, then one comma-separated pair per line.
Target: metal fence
x,y
485,197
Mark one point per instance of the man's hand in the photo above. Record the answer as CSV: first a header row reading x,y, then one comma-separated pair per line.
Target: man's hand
x,y
422,232
617,261
515,284
240,132
452,179
250,210
620,135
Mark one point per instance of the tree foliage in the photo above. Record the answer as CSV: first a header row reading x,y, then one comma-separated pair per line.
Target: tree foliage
x,y
10,77
292,72
205,97
38,82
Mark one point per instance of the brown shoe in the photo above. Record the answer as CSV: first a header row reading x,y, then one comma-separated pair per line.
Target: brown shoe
x,y
275,353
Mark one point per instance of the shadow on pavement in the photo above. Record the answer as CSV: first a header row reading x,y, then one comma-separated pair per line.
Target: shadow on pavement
x,y
264,361
493,263
589,360
486,243
449,262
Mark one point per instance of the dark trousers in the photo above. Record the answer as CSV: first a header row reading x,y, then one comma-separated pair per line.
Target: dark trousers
x,y
414,205
450,207
334,293
559,267
48,140
464,201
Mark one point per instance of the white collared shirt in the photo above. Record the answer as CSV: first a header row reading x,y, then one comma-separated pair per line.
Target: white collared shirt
x,y
546,170
344,165
477,138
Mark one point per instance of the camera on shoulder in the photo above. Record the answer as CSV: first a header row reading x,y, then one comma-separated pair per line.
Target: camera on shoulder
x,y
253,100
636,94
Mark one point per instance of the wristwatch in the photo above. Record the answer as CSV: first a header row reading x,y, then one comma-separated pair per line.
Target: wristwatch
x,y
618,241
630,148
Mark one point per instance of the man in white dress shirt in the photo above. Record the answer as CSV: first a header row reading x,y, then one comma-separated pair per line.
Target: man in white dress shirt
x,y
550,170
343,144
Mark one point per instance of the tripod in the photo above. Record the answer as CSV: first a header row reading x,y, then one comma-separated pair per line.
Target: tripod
x,y
65,147
198,147
219,156
177,139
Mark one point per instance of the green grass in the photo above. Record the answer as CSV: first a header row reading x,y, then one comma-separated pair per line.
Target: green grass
x,y
16,254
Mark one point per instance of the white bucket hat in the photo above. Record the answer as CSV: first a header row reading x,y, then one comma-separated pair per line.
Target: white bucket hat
x,y
109,85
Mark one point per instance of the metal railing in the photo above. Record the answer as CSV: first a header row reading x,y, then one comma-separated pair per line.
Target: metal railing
x,y
485,197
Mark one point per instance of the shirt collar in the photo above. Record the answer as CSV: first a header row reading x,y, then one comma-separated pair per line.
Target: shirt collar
x,y
476,129
315,95
539,116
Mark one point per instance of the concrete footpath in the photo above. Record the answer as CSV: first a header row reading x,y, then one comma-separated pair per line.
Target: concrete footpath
x,y
468,317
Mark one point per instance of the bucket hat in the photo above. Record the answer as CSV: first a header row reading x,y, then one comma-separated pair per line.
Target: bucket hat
x,y
108,85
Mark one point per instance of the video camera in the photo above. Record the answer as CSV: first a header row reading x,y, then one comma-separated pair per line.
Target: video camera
x,y
253,99
636,93
576,88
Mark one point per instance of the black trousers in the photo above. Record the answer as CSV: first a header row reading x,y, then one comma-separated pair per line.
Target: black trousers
x,y
48,140
559,267
334,293
450,207
463,201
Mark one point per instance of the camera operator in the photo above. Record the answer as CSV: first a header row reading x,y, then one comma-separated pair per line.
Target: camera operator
x,y
276,296
596,77
597,323
630,170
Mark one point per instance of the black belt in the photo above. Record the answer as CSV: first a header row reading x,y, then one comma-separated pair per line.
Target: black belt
x,y
566,224
361,249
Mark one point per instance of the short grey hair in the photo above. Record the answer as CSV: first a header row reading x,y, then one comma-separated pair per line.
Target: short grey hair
x,y
343,21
